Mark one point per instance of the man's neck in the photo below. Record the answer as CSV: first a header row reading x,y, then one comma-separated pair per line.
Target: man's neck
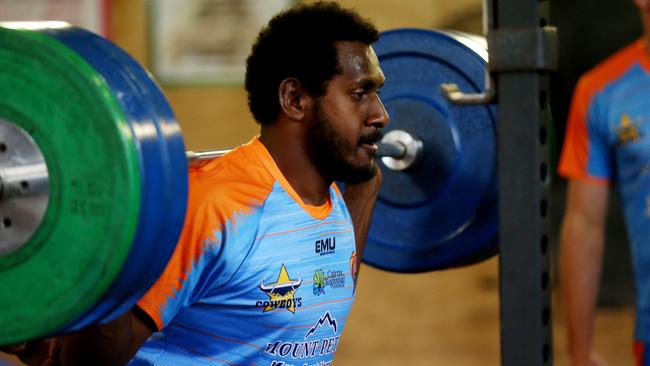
x,y
290,155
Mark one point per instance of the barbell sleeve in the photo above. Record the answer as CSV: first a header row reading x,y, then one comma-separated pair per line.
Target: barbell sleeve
x,y
22,181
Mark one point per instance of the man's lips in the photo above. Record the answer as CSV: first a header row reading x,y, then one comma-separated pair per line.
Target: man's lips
x,y
372,146
370,139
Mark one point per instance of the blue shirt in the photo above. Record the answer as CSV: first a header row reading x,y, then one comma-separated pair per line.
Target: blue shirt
x,y
258,277
608,139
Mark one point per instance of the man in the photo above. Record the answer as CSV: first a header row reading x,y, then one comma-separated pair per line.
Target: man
x,y
265,219
607,140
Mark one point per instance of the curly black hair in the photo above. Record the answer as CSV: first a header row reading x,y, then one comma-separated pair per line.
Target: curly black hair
x,y
300,43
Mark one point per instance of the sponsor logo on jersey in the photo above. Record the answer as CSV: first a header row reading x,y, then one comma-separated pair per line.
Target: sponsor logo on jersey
x,y
326,319
330,278
354,270
308,348
325,246
627,130
281,293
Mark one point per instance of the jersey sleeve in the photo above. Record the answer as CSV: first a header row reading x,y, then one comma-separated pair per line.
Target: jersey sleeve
x,y
586,153
200,243
218,233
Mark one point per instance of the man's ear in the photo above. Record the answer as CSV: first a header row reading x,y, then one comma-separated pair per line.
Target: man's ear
x,y
294,99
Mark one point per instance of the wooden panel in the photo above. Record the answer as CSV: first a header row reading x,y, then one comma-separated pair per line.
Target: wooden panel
x,y
213,118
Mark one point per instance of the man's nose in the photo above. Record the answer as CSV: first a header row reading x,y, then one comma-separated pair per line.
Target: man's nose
x,y
378,116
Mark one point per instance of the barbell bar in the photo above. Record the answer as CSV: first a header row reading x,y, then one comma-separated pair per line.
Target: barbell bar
x,y
29,179
399,150
112,158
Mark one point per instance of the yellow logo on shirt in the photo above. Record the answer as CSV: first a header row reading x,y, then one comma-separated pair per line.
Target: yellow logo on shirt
x,y
627,131
281,293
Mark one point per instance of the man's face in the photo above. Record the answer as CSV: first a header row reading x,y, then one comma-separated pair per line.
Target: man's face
x,y
348,117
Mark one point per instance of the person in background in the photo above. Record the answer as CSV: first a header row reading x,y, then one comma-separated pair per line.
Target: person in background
x,y
607,142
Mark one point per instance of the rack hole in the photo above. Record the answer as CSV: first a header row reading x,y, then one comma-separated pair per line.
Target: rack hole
x,y
542,136
544,280
543,100
6,223
546,316
546,353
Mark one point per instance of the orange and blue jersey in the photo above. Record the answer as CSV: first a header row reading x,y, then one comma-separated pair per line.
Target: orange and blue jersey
x,y
608,139
258,277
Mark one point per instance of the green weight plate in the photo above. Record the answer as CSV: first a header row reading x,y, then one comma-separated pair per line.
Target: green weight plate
x,y
73,257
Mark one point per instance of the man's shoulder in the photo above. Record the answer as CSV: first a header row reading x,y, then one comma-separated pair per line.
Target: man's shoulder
x,y
238,178
611,69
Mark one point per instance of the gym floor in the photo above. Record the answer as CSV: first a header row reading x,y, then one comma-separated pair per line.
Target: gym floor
x,y
452,318
449,318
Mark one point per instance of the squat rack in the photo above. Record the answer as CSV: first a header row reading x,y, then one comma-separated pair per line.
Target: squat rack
x,y
522,50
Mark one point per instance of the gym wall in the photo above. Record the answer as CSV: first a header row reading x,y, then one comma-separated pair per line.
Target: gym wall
x,y
217,116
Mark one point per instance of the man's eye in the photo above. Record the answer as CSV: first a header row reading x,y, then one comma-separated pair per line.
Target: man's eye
x,y
359,95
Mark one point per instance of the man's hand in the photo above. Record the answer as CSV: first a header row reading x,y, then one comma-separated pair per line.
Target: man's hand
x,y
42,352
110,344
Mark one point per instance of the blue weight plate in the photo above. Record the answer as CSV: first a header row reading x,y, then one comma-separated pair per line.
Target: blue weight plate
x,y
172,153
441,212
162,164
172,147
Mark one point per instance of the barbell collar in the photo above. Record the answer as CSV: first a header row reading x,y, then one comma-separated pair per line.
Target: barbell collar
x,y
412,150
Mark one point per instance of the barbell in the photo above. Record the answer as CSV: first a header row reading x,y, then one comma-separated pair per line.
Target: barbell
x,y
93,172
398,149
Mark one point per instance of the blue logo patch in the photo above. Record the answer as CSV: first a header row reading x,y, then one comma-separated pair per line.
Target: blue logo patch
x,y
332,279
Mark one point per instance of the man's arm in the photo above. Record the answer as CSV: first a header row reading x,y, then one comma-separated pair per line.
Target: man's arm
x,y
582,246
360,199
113,343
